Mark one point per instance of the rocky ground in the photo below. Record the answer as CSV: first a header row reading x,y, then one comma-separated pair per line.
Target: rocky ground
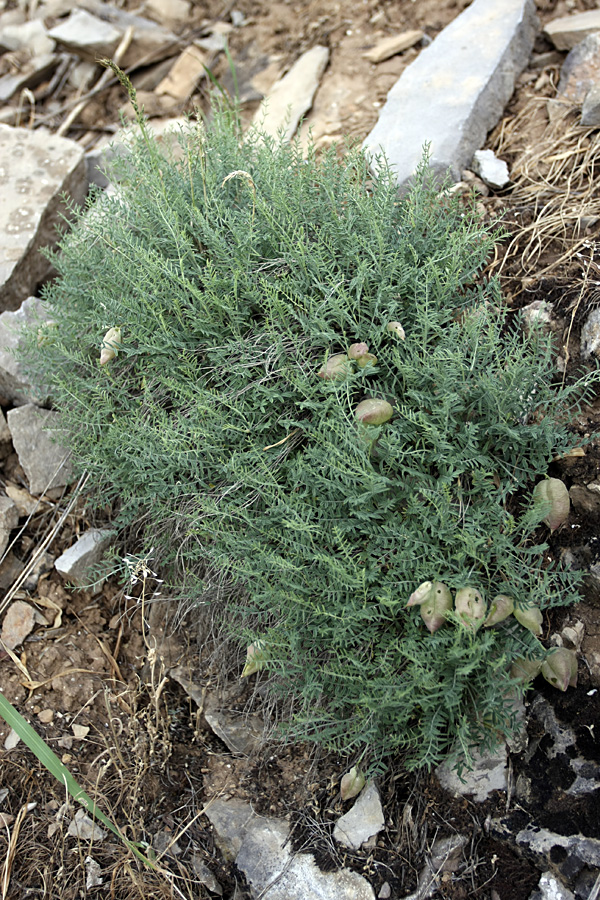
x,y
141,699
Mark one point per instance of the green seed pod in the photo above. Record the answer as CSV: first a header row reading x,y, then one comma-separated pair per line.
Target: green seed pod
x,y
530,617
501,608
352,783
355,351
525,669
435,607
397,329
256,657
374,412
337,367
560,668
421,594
110,344
367,360
470,606
552,494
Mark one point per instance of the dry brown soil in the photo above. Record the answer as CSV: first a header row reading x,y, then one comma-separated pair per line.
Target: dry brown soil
x,y
97,680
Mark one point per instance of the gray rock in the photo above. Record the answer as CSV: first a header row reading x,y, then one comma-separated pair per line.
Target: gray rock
x,y
259,848
9,519
545,846
88,550
36,168
488,774
34,435
590,335
240,735
15,386
493,171
586,500
29,75
292,95
86,35
31,36
4,429
580,70
590,111
550,888
538,313
456,90
363,821
149,39
445,857
568,31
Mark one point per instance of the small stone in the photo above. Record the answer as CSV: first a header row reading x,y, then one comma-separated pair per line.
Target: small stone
x,y
46,716
4,429
590,111
363,821
538,313
44,461
12,740
25,503
150,40
168,12
292,96
239,735
390,46
74,564
18,623
31,36
585,501
184,75
86,35
32,73
488,774
9,519
205,876
36,169
15,386
568,31
385,891
590,335
493,171
580,71
85,828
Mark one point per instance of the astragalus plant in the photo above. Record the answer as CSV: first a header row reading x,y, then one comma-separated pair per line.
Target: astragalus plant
x,y
307,386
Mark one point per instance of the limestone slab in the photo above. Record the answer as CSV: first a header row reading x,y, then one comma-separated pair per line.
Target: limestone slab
x,y
74,564
567,31
34,434
292,96
456,89
87,35
185,74
36,168
15,386
363,821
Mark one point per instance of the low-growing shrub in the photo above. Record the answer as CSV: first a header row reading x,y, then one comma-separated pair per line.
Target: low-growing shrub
x,y
307,386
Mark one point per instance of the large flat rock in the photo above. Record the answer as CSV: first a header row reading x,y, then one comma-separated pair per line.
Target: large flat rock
x,y
35,435
36,169
456,89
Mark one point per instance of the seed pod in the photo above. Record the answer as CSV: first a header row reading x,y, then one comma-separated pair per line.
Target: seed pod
x,y
367,360
110,344
530,617
374,412
352,783
525,669
256,657
435,607
337,367
552,494
421,594
501,608
355,351
560,668
470,606
397,329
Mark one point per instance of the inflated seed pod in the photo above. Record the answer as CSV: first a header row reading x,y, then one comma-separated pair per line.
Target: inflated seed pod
x,y
352,783
336,368
256,657
530,617
355,351
553,493
374,412
500,609
367,360
560,668
470,606
435,607
525,669
420,594
110,344
397,329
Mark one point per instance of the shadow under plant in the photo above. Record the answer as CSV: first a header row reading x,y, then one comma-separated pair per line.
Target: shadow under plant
x,y
305,388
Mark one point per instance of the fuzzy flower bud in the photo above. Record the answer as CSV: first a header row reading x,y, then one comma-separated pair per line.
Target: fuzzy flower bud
x,y
110,344
470,606
552,495
374,412
501,608
560,668
530,617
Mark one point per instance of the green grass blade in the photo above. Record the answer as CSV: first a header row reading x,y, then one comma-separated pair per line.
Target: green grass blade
x,y
50,760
